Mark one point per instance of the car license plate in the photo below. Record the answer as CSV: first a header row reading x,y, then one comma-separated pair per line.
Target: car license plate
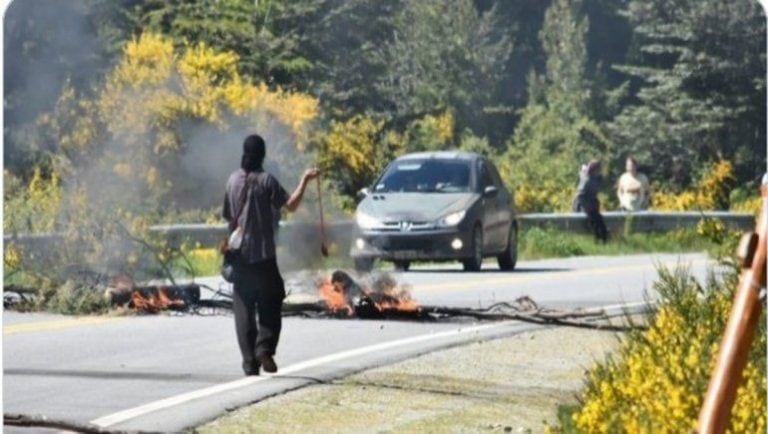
x,y
405,254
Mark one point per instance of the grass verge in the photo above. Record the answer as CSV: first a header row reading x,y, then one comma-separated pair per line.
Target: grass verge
x,y
537,243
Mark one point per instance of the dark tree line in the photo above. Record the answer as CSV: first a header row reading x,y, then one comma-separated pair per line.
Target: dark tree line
x,y
677,83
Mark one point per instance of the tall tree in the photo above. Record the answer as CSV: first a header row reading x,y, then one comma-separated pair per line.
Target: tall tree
x,y
48,44
701,72
441,57
343,38
557,127
254,30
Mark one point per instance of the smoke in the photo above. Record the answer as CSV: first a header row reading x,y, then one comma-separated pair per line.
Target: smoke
x,y
47,45
212,153
105,187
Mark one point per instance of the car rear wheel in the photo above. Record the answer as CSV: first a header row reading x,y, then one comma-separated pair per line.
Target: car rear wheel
x,y
475,262
363,265
402,265
508,258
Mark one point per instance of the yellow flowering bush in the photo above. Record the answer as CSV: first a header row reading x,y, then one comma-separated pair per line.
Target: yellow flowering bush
x,y
126,147
137,118
712,228
351,143
34,207
656,382
548,196
203,261
710,192
431,132
354,151
753,205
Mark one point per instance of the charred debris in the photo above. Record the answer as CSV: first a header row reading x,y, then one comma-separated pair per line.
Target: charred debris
x,y
341,296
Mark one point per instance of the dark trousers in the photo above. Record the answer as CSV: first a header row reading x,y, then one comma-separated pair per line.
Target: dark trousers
x,y
597,224
258,291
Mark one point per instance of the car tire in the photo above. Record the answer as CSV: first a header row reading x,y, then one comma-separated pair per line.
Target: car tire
x,y
364,265
475,262
508,258
402,265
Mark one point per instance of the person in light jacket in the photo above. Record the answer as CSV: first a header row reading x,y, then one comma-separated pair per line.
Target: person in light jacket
x,y
633,189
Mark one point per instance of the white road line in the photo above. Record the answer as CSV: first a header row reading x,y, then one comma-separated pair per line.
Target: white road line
x,y
132,413
125,415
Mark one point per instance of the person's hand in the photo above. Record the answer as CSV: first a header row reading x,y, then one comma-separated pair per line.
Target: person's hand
x,y
311,174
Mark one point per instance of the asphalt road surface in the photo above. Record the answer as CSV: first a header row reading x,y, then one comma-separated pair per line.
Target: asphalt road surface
x,y
169,372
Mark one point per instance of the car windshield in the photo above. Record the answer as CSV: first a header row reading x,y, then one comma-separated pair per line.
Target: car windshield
x,y
425,176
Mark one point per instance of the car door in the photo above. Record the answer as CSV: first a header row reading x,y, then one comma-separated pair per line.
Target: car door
x,y
503,207
490,203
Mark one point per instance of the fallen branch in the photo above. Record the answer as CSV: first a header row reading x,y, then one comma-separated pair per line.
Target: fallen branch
x,y
575,318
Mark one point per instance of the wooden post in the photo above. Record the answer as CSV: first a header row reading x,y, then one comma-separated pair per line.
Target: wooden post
x,y
737,339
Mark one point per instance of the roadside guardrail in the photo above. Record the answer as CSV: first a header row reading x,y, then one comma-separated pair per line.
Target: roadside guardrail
x,y
341,232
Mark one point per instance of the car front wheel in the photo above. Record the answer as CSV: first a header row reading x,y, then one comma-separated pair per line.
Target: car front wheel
x,y
508,258
475,262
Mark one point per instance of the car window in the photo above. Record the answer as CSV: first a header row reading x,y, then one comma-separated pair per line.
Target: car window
x,y
426,176
486,179
495,175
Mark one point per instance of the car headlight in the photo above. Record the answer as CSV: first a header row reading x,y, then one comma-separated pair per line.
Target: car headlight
x,y
364,221
452,219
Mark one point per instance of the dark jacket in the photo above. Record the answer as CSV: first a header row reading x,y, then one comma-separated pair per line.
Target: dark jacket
x,y
586,193
262,198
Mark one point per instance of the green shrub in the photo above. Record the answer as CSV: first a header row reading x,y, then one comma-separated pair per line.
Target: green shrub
x,y
656,381
72,299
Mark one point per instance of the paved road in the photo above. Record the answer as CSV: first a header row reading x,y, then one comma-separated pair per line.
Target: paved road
x,y
165,373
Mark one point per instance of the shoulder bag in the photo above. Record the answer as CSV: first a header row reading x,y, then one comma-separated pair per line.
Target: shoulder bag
x,y
231,246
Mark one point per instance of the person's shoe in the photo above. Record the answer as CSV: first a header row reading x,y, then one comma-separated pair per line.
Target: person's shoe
x,y
268,363
251,368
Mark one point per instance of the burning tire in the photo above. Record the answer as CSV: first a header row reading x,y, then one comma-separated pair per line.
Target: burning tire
x,y
508,259
363,265
475,262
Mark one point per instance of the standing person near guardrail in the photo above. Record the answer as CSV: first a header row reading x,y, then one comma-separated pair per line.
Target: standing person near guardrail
x,y
586,199
252,195
633,190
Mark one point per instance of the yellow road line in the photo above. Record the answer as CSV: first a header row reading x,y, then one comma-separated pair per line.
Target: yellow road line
x,y
42,326
554,275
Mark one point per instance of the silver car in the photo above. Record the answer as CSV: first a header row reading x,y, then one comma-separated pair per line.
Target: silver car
x,y
436,206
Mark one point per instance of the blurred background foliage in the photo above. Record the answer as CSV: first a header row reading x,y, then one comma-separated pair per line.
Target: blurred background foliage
x,y
538,87
120,114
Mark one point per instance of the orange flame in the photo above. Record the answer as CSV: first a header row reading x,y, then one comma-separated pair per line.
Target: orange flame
x,y
335,298
399,304
385,299
153,303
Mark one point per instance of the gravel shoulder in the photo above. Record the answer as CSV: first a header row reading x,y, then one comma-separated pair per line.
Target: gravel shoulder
x,y
512,384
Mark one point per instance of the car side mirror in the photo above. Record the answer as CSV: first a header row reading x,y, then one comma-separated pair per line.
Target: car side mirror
x,y
364,192
491,191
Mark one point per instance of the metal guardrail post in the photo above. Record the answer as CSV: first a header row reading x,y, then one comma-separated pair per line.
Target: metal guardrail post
x,y
737,339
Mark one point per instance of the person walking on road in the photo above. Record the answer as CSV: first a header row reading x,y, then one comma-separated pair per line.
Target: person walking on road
x,y
586,199
252,195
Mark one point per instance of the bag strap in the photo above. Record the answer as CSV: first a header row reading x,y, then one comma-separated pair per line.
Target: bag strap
x,y
243,198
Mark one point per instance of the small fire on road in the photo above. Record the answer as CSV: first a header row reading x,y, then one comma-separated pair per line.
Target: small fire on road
x,y
154,301
381,297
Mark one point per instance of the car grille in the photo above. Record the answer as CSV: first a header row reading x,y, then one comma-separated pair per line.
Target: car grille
x,y
412,226
403,243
